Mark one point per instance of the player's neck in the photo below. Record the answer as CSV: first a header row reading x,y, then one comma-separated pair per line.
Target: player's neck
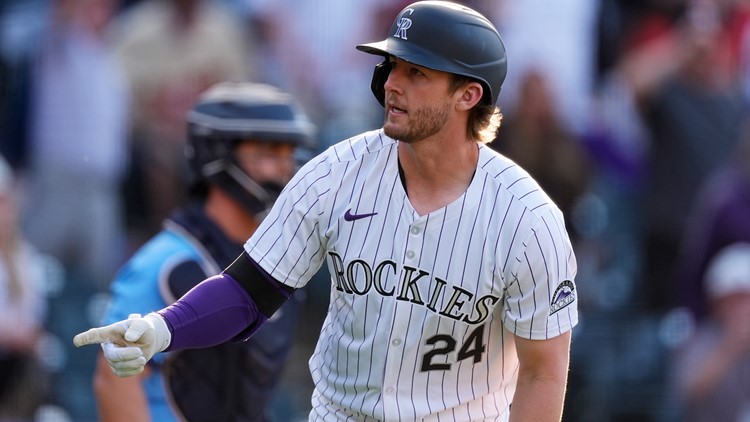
x,y
233,220
436,174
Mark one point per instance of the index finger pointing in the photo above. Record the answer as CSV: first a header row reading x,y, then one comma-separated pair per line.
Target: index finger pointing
x,y
96,336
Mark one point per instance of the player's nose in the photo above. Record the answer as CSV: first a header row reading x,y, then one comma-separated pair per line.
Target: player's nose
x,y
394,81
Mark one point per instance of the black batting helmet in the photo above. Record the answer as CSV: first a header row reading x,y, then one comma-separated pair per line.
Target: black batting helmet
x,y
229,113
444,36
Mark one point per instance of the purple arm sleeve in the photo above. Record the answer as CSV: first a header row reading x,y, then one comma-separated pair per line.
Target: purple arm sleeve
x,y
217,310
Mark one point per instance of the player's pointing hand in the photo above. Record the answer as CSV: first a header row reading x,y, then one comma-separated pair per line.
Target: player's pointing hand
x,y
129,344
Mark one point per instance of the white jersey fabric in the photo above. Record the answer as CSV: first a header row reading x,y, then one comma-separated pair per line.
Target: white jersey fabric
x,y
423,309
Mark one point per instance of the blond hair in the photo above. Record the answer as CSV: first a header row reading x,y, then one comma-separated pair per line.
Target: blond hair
x,y
484,119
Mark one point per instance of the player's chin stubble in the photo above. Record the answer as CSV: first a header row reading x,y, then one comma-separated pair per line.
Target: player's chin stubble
x,y
422,123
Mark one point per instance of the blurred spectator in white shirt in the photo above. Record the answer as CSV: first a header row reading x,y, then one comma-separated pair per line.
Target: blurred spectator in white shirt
x,y
77,152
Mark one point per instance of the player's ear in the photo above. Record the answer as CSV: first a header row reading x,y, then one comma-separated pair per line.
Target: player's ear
x,y
470,95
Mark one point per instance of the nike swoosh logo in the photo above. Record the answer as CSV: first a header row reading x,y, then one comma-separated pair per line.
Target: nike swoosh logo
x,y
348,216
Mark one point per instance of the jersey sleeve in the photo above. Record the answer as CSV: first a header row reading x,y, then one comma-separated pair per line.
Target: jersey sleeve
x,y
541,298
287,245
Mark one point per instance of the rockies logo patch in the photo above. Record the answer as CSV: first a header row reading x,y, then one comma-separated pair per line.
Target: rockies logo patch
x,y
564,296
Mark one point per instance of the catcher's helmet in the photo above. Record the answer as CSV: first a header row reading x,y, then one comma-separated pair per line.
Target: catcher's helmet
x,y
444,36
229,113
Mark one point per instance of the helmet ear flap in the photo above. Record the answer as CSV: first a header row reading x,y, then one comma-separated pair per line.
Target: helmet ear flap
x,y
379,76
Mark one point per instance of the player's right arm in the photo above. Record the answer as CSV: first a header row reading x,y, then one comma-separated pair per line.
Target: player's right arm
x,y
119,399
228,306
542,378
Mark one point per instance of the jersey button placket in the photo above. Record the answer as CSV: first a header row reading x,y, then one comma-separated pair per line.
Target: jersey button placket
x,y
393,367
415,240
395,359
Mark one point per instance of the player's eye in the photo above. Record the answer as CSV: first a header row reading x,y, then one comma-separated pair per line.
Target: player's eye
x,y
415,71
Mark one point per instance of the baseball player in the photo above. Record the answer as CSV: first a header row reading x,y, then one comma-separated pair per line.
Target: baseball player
x,y
241,143
452,276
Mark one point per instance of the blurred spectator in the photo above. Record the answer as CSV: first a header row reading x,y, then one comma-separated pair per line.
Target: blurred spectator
x,y
623,23
172,50
15,52
302,38
720,216
617,141
556,38
713,367
534,137
646,56
694,119
76,144
22,310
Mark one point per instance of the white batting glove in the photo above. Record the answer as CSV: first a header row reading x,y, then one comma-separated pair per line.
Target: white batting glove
x,y
129,344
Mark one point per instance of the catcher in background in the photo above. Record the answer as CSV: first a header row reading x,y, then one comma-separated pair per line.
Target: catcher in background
x,y
242,140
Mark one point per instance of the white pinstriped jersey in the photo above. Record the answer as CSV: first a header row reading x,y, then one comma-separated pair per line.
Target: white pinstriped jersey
x,y
423,309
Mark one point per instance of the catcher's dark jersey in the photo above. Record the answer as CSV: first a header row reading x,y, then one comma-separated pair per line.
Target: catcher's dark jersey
x,y
229,382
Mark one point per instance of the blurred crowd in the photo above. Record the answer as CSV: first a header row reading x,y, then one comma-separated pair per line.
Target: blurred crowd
x,y
632,114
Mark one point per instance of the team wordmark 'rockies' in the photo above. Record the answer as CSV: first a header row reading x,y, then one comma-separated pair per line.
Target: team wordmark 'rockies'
x,y
407,288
